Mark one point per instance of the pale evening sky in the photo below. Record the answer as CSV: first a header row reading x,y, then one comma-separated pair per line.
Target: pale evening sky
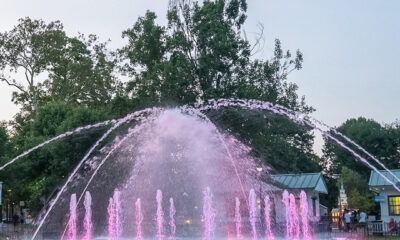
x,y
351,48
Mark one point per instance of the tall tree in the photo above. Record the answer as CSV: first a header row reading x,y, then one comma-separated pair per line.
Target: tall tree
x,y
24,53
201,54
381,141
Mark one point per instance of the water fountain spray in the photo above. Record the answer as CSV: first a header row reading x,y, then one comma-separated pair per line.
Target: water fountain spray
x,y
267,212
172,212
238,219
285,200
208,215
139,219
72,218
304,216
295,231
87,221
253,212
159,216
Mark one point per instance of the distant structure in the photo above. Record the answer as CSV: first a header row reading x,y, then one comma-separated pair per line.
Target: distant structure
x,y
342,198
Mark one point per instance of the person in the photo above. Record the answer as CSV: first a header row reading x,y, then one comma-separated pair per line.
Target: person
x,y
361,229
347,220
363,217
15,220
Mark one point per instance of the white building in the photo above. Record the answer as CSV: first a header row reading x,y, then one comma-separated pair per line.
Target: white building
x,y
388,197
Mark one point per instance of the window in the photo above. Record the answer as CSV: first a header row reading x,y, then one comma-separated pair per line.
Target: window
x,y
394,205
314,206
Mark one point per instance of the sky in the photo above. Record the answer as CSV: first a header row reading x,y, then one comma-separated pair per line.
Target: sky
x,y
351,48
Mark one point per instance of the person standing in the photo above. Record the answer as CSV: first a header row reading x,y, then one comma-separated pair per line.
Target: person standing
x,y
347,220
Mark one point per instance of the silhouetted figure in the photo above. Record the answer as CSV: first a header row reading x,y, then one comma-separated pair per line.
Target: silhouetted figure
x,y
15,220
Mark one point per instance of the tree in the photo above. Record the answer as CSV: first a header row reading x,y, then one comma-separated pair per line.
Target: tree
x,y
82,73
38,176
380,141
358,194
201,55
24,51
55,67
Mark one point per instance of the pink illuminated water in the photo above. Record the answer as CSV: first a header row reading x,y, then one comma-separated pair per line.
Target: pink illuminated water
x,y
304,216
172,212
238,219
208,215
87,221
295,231
118,213
111,219
139,219
72,218
200,144
286,202
253,212
159,216
267,218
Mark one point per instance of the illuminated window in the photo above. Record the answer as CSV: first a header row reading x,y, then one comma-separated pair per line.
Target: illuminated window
x,y
394,205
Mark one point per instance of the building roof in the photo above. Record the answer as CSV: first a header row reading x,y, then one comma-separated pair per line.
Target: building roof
x,y
314,181
376,180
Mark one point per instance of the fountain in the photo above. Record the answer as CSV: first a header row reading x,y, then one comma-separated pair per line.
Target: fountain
x,y
267,218
238,219
253,213
87,221
304,216
139,219
181,155
72,218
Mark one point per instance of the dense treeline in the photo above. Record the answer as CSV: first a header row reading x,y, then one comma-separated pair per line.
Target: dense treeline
x,y
62,82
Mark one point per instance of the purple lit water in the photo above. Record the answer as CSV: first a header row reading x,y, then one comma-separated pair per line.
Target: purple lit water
x,y
238,219
304,216
286,202
72,218
208,215
159,216
172,212
117,214
295,227
180,152
111,219
139,219
253,212
87,220
267,218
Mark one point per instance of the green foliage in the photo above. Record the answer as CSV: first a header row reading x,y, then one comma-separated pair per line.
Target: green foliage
x,y
356,187
380,141
38,174
199,55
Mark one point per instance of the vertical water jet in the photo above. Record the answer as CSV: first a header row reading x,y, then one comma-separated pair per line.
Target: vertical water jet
x,y
304,216
267,218
208,215
72,218
118,213
294,217
159,216
87,221
253,212
111,219
238,219
172,212
285,200
139,219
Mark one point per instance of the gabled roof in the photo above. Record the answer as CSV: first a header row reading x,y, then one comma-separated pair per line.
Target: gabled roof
x,y
376,180
314,181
